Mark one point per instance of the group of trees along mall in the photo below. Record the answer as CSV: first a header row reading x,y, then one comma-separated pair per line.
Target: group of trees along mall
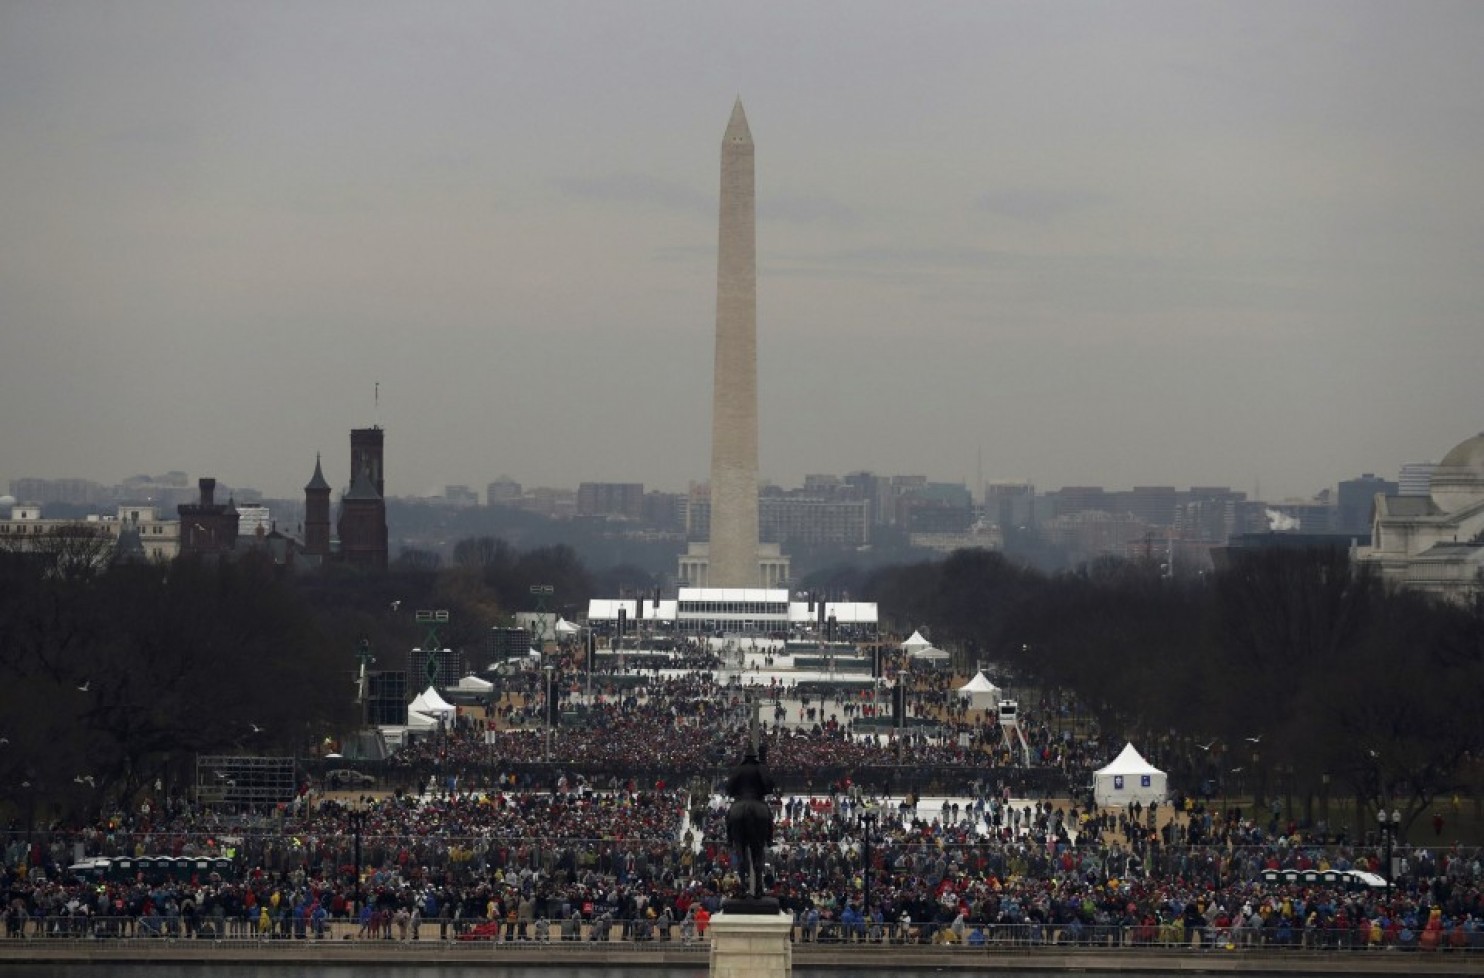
x,y
1289,671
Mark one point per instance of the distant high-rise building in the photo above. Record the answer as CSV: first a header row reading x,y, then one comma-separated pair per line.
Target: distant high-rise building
x,y
807,519
666,511
1356,502
1416,479
876,491
560,504
935,507
70,491
504,491
460,496
1212,514
1154,505
1010,504
624,499
1080,499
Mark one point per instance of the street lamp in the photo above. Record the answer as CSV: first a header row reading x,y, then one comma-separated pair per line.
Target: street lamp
x,y
551,707
1390,825
590,660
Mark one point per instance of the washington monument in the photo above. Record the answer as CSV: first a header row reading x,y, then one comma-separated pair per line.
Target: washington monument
x,y
733,557
734,550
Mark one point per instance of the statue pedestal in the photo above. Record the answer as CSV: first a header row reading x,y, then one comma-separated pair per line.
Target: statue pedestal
x,y
751,945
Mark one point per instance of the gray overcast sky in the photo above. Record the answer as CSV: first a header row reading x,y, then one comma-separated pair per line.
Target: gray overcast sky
x,y
1230,243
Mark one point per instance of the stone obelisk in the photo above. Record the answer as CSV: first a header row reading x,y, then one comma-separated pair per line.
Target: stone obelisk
x,y
733,556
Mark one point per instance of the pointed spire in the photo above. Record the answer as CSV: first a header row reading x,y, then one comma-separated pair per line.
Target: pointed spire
x,y
737,131
318,482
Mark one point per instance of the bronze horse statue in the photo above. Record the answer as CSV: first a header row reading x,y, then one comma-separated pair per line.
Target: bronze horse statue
x,y
750,820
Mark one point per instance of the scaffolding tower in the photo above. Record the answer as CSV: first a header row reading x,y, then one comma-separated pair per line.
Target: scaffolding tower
x,y
235,781
1011,732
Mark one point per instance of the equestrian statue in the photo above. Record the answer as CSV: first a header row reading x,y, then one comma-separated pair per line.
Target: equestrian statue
x,y
750,820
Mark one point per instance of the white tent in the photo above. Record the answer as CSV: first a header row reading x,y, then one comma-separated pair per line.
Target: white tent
x,y
473,684
1128,779
916,642
980,692
565,627
430,703
930,654
420,721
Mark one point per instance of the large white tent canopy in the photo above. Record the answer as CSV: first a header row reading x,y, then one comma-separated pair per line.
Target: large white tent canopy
x,y
1129,778
428,702
980,692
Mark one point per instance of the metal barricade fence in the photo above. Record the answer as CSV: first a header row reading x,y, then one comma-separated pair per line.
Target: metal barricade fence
x,y
644,932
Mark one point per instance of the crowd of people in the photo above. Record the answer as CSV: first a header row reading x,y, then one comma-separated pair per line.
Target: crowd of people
x,y
478,848
690,724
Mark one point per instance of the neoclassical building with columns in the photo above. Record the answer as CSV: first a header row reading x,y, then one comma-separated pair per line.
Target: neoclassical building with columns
x,y
1435,543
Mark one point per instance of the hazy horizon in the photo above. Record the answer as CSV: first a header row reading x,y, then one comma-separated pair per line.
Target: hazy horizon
x,y
1144,243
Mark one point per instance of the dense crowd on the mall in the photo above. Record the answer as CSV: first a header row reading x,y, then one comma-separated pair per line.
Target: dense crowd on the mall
x,y
474,845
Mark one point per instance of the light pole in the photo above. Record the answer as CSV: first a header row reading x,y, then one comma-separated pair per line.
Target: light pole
x,y
590,660
1390,825
551,707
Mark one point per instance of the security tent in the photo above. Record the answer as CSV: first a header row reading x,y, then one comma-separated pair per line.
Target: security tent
x,y
473,684
429,703
1128,779
980,692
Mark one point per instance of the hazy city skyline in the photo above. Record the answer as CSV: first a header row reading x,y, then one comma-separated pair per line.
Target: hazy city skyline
x,y
1108,244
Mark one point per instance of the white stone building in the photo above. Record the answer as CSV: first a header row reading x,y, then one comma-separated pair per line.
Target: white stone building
x,y
1435,543
159,539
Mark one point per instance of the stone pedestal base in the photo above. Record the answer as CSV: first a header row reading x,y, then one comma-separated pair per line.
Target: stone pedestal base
x,y
751,945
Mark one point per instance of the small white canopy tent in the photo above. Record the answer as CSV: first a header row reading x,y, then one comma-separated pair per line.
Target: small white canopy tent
x,y
430,703
565,627
916,642
420,721
930,654
922,650
1128,779
980,692
473,684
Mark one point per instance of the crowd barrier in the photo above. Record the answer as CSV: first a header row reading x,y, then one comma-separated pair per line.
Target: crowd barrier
x,y
894,779
646,933
275,849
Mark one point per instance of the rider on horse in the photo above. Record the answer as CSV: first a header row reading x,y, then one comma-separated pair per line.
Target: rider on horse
x,y
750,820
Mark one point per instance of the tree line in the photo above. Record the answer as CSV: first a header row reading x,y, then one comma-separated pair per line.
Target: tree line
x,y
1293,670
